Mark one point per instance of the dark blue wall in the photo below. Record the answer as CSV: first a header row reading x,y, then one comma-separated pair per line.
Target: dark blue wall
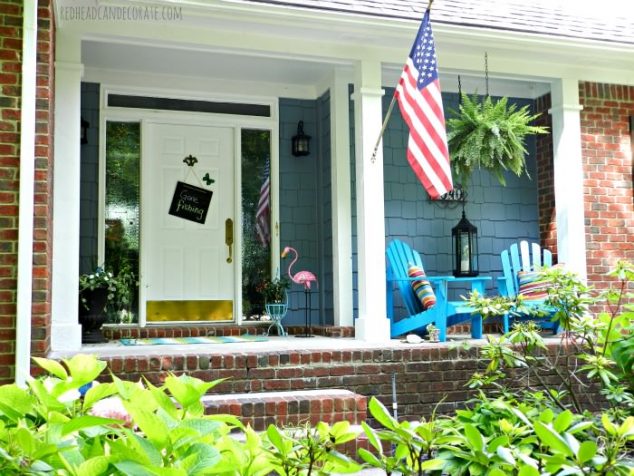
x,y
305,205
326,244
89,189
501,214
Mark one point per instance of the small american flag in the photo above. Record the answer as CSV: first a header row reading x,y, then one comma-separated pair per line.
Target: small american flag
x,y
418,95
263,213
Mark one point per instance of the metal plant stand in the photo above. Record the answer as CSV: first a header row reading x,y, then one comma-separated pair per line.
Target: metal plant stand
x,y
277,311
307,318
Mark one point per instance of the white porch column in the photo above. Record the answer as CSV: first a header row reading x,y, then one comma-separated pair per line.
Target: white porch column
x,y
24,300
341,200
568,174
66,331
372,323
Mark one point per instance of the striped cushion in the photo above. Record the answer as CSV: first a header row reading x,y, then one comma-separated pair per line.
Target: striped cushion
x,y
530,287
422,288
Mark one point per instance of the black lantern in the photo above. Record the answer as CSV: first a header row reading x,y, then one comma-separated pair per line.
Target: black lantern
x,y
84,131
301,142
465,248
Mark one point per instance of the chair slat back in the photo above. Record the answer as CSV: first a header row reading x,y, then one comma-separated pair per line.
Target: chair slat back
x,y
399,256
525,257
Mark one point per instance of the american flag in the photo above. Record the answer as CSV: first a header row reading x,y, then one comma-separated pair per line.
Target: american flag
x,y
418,95
263,213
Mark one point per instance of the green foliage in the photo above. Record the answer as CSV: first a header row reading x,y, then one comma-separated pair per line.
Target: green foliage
x,y
568,295
122,260
114,429
274,290
598,347
123,159
504,436
413,444
489,135
617,338
65,424
121,287
306,450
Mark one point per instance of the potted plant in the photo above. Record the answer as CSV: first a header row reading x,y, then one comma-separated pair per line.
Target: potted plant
x,y
489,135
275,301
274,290
433,333
102,293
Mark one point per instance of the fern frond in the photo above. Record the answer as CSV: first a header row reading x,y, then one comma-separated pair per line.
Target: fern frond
x,y
489,135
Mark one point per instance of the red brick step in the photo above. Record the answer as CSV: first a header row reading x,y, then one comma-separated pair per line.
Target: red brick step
x,y
290,408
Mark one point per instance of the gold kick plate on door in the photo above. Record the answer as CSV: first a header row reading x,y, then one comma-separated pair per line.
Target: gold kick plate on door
x,y
229,238
203,310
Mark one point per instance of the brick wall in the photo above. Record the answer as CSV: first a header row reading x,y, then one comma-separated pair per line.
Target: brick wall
x,y
607,161
10,77
10,86
545,177
424,374
43,225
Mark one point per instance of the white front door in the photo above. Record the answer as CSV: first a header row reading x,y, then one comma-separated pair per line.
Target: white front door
x,y
187,268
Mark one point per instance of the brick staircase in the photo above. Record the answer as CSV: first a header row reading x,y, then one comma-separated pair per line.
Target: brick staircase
x,y
294,408
290,408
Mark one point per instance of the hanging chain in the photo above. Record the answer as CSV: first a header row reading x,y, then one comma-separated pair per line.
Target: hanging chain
x,y
486,71
459,90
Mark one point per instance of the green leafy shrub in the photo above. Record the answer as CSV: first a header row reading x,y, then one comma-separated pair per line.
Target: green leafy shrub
x,y
594,349
67,424
501,437
116,428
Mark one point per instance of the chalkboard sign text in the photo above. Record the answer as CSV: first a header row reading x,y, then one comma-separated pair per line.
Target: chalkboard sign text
x,y
190,202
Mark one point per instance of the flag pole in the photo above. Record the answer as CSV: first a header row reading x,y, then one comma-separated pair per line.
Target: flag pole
x,y
389,113
387,118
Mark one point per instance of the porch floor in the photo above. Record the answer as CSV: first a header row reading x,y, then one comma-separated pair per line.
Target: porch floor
x,y
273,344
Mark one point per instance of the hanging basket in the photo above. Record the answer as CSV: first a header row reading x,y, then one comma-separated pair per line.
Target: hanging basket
x,y
490,135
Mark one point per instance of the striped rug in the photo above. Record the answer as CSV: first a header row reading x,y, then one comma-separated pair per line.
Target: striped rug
x,y
193,340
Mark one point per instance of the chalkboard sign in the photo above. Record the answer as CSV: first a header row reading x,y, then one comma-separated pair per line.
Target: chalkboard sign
x,y
190,202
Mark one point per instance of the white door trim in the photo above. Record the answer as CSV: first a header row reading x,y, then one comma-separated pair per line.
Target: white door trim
x,y
203,119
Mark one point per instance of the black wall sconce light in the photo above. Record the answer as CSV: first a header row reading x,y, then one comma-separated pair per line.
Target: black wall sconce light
x,y
84,130
301,142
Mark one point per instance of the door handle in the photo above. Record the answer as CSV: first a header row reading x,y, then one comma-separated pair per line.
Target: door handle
x,y
229,238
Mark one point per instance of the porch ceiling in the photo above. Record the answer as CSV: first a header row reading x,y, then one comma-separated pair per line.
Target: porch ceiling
x,y
196,62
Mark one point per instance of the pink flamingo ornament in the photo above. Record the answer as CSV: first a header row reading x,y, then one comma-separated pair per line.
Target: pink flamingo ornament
x,y
305,278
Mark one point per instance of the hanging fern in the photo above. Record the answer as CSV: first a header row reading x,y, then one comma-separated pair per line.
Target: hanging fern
x,y
489,135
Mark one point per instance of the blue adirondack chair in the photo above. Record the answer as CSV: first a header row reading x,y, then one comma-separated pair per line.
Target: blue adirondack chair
x,y
524,257
444,314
